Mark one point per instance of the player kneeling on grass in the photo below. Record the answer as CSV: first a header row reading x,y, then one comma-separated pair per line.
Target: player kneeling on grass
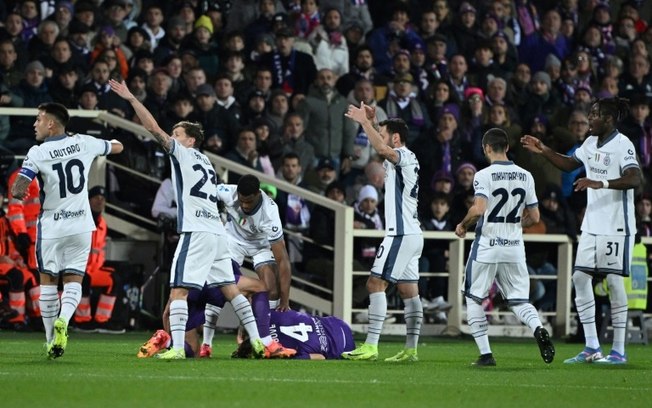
x,y
505,202
204,307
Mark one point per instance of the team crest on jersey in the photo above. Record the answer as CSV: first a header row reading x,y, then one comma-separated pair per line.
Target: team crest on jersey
x,y
607,160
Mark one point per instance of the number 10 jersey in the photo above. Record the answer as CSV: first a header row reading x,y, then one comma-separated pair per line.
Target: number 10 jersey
x,y
508,190
62,164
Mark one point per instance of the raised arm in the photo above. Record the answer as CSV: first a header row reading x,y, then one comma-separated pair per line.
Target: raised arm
x,y
561,161
366,116
145,117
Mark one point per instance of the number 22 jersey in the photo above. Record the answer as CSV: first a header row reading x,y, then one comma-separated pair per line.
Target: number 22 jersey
x,y
62,164
499,234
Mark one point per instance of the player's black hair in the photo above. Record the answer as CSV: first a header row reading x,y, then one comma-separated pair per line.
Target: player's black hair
x,y
192,130
56,110
496,138
617,108
248,185
396,125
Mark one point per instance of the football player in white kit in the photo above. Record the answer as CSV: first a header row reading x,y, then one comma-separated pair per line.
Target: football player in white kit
x,y
608,228
202,254
398,256
254,228
505,202
65,225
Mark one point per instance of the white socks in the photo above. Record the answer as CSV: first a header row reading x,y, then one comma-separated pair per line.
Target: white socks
x,y
70,298
211,314
178,320
413,318
618,297
377,312
479,326
49,303
527,314
585,304
244,312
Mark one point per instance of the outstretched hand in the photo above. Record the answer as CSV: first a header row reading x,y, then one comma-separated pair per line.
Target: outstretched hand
x,y
532,144
362,114
121,89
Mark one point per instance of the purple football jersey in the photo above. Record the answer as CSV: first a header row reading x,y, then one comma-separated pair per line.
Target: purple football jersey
x,y
328,336
197,300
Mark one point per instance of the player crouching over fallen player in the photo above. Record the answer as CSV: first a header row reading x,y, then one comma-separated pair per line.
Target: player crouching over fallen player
x,y
204,307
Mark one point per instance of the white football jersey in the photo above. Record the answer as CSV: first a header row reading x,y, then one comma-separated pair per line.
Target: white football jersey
x,y
608,211
499,234
62,164
195,188
401,194
260,228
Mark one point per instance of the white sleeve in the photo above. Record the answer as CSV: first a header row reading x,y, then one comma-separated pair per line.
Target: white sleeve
x,y
628,156
481,185
226,193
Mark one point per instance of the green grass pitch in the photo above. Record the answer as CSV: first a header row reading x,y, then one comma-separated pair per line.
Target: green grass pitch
x,y
102,371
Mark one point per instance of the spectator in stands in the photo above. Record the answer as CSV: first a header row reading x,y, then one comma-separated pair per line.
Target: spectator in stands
x,y
457,77
171,43
366,216
10,72
108,40
323,175
434,258
330,134
402,102
362,149
234,67
224,97
193,77
318,260
465,31
539,100
567,139
174,66
29,11
215,119
205,48
279,106
330,48
385,41
64,86
137,83
244,153
98,274
254,109
292,70
637,79
517,85
293,140
442,148
294,210
79,38
547,40
100,75
137,39
116,15
40,45
33,90
362,67
143,59
153,24
12,30
504,53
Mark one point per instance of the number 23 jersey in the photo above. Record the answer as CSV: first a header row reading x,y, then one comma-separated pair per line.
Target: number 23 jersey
x,y
195,187
62,164
499,234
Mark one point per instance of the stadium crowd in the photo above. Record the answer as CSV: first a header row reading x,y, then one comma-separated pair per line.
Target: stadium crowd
x,y
270,81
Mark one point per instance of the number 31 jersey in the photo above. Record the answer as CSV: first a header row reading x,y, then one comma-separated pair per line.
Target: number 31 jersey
x,y
508,190
195,187
62,164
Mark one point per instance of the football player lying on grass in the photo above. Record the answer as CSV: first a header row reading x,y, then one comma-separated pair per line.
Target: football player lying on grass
x,y
204,307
